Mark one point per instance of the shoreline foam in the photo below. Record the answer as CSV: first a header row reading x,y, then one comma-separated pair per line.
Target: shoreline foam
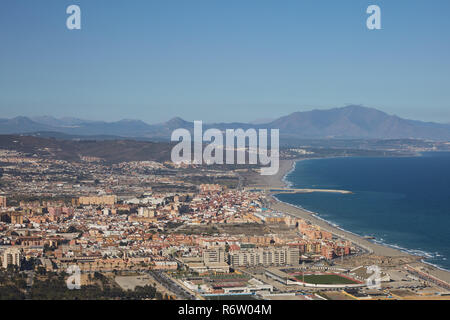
x,y
382,249
414,252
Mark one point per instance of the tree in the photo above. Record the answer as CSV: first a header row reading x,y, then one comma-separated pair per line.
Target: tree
x,y
72,229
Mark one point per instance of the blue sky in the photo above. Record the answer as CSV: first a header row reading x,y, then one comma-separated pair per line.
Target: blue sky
x,y
223,60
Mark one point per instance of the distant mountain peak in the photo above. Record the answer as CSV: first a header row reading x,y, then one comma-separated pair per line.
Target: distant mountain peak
x,y
356,122
348,122
177,121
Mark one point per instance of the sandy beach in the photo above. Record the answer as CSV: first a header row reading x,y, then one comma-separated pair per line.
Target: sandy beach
x,y
276,181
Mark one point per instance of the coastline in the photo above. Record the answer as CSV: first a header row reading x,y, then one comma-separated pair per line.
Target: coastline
x,y
279,180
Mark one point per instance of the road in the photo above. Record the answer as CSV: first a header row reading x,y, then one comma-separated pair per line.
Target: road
x,y
170,285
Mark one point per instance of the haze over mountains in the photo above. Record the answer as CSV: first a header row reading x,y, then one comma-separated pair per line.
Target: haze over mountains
x,y
350,122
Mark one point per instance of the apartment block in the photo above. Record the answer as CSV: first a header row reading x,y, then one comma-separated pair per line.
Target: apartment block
x,y
264,257
215,255
2,202
98,200
11,256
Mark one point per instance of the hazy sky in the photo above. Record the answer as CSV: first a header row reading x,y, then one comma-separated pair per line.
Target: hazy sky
x,y
222,60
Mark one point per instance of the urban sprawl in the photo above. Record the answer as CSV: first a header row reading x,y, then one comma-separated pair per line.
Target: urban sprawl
x,y
187,232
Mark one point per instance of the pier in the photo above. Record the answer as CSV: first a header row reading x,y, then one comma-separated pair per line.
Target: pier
x,y
294,190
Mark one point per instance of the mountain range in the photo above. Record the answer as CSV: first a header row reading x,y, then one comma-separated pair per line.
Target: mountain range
x,y
350,122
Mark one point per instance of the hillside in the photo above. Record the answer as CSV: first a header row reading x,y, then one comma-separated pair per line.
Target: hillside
x,y
350,122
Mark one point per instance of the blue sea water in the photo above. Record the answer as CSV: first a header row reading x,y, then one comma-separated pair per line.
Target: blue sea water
x,y
402,202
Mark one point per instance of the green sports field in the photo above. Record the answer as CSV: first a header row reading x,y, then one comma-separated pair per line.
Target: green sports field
x,y
325,279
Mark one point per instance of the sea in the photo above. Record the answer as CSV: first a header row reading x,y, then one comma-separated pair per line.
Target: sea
x,y
403,202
